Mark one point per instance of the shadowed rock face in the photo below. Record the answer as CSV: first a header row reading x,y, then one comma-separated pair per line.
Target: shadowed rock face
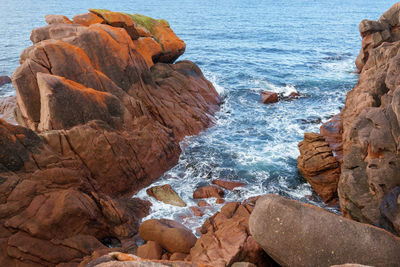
x,y
98,124
371,129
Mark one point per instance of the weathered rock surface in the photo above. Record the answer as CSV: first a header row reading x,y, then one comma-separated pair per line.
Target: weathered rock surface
x,y
172,236
7,108
106,126
332,132
226,239
318,165
166,194
57,19
207,192
371,129
298,234
117,259
390,211
4,80
151,250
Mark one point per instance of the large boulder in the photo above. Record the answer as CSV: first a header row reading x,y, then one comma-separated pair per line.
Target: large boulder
x,y
298,234
94,131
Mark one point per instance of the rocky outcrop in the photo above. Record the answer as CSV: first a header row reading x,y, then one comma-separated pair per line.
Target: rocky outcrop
x,y
298,234
226,239
51,208
96,130
318,166
371,129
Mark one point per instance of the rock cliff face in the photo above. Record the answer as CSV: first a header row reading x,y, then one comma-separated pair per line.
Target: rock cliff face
x,y
102,110
366,145
371,122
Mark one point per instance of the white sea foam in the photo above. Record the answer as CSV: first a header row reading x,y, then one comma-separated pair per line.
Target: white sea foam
x,y
265,85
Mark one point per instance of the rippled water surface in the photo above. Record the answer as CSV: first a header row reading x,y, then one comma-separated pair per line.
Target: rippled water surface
x,y
243,47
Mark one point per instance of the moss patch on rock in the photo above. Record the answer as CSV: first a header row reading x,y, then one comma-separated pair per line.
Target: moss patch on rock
x,y
147,22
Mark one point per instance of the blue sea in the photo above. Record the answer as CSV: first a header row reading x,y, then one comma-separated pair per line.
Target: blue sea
x,y
243,48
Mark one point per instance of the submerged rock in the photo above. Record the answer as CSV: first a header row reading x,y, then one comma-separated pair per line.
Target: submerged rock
x,y
298,234
166,194
269,97
4,80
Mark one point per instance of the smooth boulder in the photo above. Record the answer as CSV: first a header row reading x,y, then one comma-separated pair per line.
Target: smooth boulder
x,y
171,235
298,234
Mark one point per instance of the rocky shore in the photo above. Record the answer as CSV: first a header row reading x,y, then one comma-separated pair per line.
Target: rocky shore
x,y
365,172
101,108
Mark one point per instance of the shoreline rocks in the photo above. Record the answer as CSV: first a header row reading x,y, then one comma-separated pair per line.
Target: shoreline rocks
x,y
318,166
68,172
166,194
225,238
371,163
298,234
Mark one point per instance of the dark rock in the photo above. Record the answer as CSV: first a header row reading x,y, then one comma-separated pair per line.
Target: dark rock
x,y
390,211
4,80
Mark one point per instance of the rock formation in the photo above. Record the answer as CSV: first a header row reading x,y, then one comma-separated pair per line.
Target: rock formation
x,y
318,165
371,122
298,234
101,113
366,145
226,238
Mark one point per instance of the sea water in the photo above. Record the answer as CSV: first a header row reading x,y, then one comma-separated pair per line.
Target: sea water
x,y
243,48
